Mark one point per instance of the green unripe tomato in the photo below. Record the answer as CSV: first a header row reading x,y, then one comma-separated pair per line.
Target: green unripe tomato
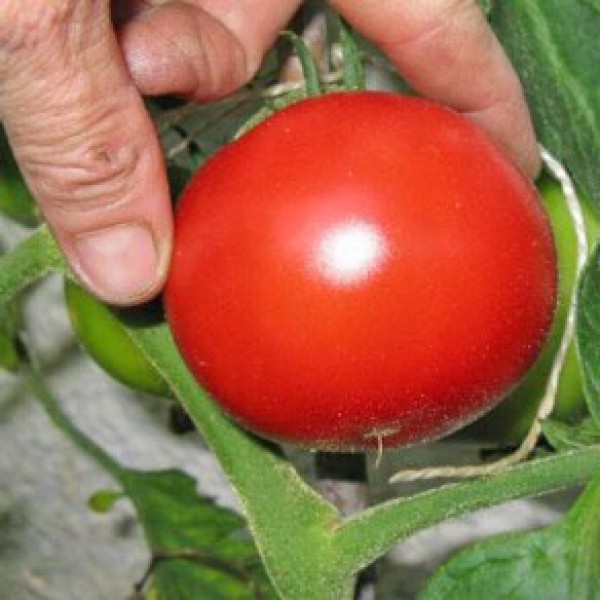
x,y
16,202
105,339
510,421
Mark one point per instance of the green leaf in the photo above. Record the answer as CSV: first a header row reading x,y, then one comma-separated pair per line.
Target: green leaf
x,y
555,47
201,551
16,202
10,317
31,260
486,6
10,323
564,437
9,355
561,561
103,501
198,550
588,332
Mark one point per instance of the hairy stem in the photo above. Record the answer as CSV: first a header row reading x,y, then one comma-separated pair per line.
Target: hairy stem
x,y
28,262
365,537
62,421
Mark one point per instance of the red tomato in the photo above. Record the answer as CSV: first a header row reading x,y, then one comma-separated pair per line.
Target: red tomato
x,y
360,268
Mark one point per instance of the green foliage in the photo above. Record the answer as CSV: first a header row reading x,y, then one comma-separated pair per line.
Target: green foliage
x,y
190,133
16,202
199,550
557,562
486,6
588,332
10,327
31,260
563,437
327,552
10,322
103,501
9,355
202,550
556,48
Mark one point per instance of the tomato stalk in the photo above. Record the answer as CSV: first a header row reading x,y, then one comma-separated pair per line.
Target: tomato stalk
x,y
62,421
352,68
312,85
352,60
342,480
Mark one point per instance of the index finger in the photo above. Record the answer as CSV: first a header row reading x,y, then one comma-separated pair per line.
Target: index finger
x,y
447,51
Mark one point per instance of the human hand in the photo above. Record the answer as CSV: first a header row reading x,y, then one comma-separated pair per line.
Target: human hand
x,y
70,100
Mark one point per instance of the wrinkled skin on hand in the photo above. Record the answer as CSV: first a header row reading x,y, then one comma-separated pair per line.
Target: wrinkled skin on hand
x,y
73,72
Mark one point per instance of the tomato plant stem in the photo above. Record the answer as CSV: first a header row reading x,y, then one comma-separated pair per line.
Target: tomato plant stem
x,y
62,421
309,67
28,262
353,68
342,479
375,530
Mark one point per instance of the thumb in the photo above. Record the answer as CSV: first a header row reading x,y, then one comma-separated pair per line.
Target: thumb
x,y
86,145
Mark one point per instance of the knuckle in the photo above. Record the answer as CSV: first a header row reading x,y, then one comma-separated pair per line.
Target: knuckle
x,y
212,80
205,60
219,81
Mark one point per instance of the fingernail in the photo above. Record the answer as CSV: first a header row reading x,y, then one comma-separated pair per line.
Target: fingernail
x,y
119,264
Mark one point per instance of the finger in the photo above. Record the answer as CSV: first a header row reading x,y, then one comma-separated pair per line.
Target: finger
x,y
200,49
447,51
86,145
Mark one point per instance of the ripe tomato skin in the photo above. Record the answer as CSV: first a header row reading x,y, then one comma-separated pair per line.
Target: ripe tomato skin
x,y
359,268
104,338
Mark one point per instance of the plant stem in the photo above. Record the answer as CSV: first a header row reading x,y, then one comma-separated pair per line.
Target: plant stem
x,y
365,537
31,260
342,479
64,423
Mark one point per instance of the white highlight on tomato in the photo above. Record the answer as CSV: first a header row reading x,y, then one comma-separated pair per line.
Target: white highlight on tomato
x,y
350,252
